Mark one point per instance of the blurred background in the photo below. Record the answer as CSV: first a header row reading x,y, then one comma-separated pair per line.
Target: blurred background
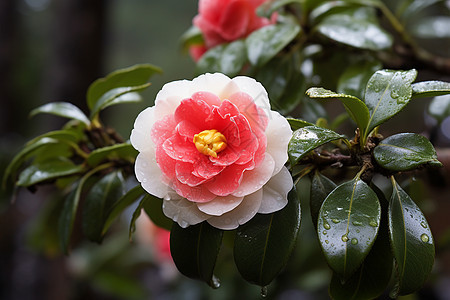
x,y
51,50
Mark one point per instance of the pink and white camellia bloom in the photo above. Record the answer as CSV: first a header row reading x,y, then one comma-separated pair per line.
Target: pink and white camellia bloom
x,y
223,21
214,151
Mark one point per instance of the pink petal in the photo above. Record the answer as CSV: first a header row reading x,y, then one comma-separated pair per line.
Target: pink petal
x,y
193,111
163,129
207,97
165,163
255,179
255,115
195,194
235,19
227,181
179,148
204,168
187,130
184,173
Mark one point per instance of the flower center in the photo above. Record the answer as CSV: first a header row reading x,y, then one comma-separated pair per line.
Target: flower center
x,y
210,142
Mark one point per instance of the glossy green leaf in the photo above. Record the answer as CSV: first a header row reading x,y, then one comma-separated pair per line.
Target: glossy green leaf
x,y
373,276
440,108
153,208
357,110
321,186
136,214
263,245
119,206
118,95
266,9
195,249
387,93
430,88
354,31
348,225
23,155
99,202
263,44
354,79
62,109
193,36
69,211
124,151
133,76
297,123
412,7
405,151
47,171
309,138
65,135
226,58
411,240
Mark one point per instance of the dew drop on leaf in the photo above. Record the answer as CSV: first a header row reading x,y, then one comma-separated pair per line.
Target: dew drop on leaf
x,y
424,238
344,238
354,241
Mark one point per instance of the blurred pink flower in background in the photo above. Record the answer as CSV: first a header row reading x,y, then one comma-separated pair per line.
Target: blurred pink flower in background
x,y
224,21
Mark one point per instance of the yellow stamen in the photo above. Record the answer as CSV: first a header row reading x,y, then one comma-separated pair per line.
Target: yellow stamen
x,y
210,142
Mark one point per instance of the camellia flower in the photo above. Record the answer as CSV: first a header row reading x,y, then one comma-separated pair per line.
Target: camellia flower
x,y
223,21
214,151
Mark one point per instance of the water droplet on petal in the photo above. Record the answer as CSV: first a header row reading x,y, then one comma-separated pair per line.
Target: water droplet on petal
x,y
264,291
424,238
215,282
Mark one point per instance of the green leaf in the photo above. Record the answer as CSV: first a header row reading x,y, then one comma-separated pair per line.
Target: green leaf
x,y
193,36
372,278
118,207
123,151
308,138
357,32
263,44
195,249
117,96
297,124
356,108
47,171
263,245
411,240
321,186
153,208
387,93
65,136
134,217
69,211
354,79
23,155
227,58
267,8
404,152
133,76
440,108
430,88
99,202
348,225
62,109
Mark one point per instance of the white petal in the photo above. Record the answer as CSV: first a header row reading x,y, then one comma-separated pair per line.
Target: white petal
x,y
278,134
255,90
183,212
275,192
213,83
170,96
149,174
220,205
254,179
140,135
241,214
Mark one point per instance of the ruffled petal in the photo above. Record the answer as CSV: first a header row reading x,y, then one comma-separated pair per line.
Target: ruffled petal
x,y
255,90
194,111
213,83
254,179
179,149
234,20
227,181
220,205
170,96
275,192
183,212
240,215
163,129
184,173
140,135
149,174
193,193
278,134
256,116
